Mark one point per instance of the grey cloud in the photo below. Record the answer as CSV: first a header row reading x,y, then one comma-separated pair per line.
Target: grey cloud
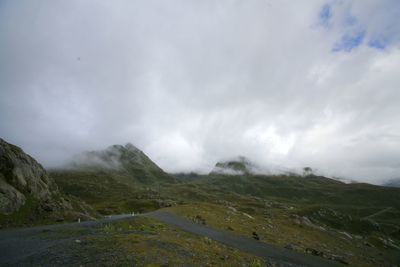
x,y
191,82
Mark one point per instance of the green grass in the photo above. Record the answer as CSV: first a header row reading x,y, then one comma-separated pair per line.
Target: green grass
x,y
144,241
28,213
109,192
370,214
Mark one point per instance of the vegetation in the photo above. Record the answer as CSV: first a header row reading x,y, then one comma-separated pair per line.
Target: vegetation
x,y
32,213
110,192
357,224
143,242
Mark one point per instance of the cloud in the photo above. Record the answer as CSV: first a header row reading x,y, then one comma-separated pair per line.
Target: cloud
x,y
192,82
348,43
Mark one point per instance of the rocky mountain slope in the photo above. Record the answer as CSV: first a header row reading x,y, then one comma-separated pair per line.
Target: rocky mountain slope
x,y
21,178
28,194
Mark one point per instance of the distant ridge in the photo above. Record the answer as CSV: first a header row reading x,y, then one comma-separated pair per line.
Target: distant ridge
x,y
128,160
236,166
242,165
393,183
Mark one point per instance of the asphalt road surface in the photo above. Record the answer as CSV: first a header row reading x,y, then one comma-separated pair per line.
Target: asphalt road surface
x,y
263,250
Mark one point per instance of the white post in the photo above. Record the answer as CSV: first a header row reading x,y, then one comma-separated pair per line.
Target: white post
x,y
79,220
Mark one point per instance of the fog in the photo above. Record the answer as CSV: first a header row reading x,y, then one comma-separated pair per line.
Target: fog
x,y
284,83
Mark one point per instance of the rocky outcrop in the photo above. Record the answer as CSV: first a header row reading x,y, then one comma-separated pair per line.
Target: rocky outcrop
x,y
237,166
23,178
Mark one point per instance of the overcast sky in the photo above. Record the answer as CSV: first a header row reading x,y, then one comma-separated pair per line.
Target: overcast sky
x,y
292,83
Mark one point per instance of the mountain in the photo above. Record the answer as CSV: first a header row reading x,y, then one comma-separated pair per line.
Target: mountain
x,y
115,180
241,165
22,178
236,166
126,160
27,193
393,183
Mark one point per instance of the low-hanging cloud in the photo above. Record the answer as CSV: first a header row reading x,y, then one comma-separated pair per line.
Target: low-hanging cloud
x,y
191,82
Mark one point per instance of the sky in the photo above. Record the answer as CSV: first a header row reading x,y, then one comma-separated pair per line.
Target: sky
x,y
287,83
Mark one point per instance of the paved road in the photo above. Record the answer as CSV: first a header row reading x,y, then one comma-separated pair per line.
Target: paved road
x,y
21,243
250,245
17,244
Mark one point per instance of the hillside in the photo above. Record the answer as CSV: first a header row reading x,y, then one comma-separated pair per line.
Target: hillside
x,y
125,160
393,183
28,194
358,222
115,180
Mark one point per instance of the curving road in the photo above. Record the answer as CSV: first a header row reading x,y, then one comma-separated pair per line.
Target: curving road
x,y
20,245
263,250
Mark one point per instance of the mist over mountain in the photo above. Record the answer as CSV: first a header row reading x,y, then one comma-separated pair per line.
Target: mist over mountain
x,y
299,84
125,160
264,133
241,165
393,183
113,157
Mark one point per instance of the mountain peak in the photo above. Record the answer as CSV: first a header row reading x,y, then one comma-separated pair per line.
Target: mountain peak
x,y
239,165
126,160
131,147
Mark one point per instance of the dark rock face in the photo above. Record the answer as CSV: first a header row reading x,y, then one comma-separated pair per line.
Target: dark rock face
x,y
21,177
238,166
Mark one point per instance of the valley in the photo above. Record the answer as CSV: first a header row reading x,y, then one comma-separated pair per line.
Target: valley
x,y
344,224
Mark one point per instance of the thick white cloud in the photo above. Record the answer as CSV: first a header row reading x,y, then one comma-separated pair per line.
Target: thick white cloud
x,y
191,82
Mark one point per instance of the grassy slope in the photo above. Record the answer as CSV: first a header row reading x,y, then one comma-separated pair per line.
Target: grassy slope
x,y
111,192
32,213
369,214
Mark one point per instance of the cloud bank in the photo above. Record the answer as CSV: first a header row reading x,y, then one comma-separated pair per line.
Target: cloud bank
x,y
191,82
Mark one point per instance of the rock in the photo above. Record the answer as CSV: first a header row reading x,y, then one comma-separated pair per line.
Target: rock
x,y
232,209
22,177
164,203
306,221
368,244
248,215
338,258
199,219
314,252
10,198
289,246
255,236
303,220
237,166
346,234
